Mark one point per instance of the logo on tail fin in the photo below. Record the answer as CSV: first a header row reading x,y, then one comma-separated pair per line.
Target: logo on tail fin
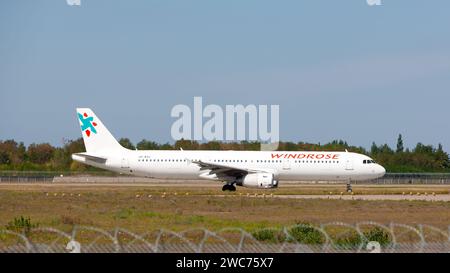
x,y
87,124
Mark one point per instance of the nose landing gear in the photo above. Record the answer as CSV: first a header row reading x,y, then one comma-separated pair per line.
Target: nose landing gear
x,y
349,187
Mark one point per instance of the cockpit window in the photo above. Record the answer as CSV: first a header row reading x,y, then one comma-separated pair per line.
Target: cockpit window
x,y
366,161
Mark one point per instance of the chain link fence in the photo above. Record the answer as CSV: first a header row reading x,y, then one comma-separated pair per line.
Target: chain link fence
x,y
107,177
414,178
334,237
104,176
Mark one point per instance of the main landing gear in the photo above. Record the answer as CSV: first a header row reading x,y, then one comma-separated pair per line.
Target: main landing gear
x,y
228,187
349,187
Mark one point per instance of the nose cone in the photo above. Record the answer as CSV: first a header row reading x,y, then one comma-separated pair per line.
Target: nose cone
x,y
381,171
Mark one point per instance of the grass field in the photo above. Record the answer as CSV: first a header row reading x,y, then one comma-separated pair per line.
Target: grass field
x,y
130,207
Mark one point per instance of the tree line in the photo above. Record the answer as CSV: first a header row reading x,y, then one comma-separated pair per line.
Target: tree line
x,y
45,157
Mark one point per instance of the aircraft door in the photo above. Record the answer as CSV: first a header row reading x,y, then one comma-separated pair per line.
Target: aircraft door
x,y
286,164
125,164
349,163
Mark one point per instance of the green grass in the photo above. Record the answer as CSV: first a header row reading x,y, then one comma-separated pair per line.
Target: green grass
x,y
111,207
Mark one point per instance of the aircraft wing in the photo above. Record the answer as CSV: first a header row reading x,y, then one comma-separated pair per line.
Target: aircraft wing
x,y
224,170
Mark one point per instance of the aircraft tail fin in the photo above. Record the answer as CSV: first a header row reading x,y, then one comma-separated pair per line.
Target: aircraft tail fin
x,y
97,139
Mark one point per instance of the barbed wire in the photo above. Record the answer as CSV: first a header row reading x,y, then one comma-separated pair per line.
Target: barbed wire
x,y
329,237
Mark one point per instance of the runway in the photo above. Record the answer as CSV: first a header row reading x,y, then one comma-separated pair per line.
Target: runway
x,y
372,197
292,190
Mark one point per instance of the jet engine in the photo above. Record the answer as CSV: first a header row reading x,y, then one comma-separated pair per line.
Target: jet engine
x,y
258,180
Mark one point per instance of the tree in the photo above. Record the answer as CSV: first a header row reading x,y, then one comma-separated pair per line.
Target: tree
x,y
287,146
442,158
126,142
14,151
423,158
4,157
385,149
186,144
60,160
423,149
250,146
166,146
400,147
75,146
147,145
374,149
40,153
210,145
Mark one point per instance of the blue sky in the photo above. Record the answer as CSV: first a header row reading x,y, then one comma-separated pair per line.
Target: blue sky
x,y
338,69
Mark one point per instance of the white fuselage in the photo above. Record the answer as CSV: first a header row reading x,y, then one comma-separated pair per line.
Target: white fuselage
x,y
168,164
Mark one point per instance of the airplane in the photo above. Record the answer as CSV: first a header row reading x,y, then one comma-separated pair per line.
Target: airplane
x,y
253,169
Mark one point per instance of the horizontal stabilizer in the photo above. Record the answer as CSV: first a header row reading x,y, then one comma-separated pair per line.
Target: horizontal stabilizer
x,y
82,157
